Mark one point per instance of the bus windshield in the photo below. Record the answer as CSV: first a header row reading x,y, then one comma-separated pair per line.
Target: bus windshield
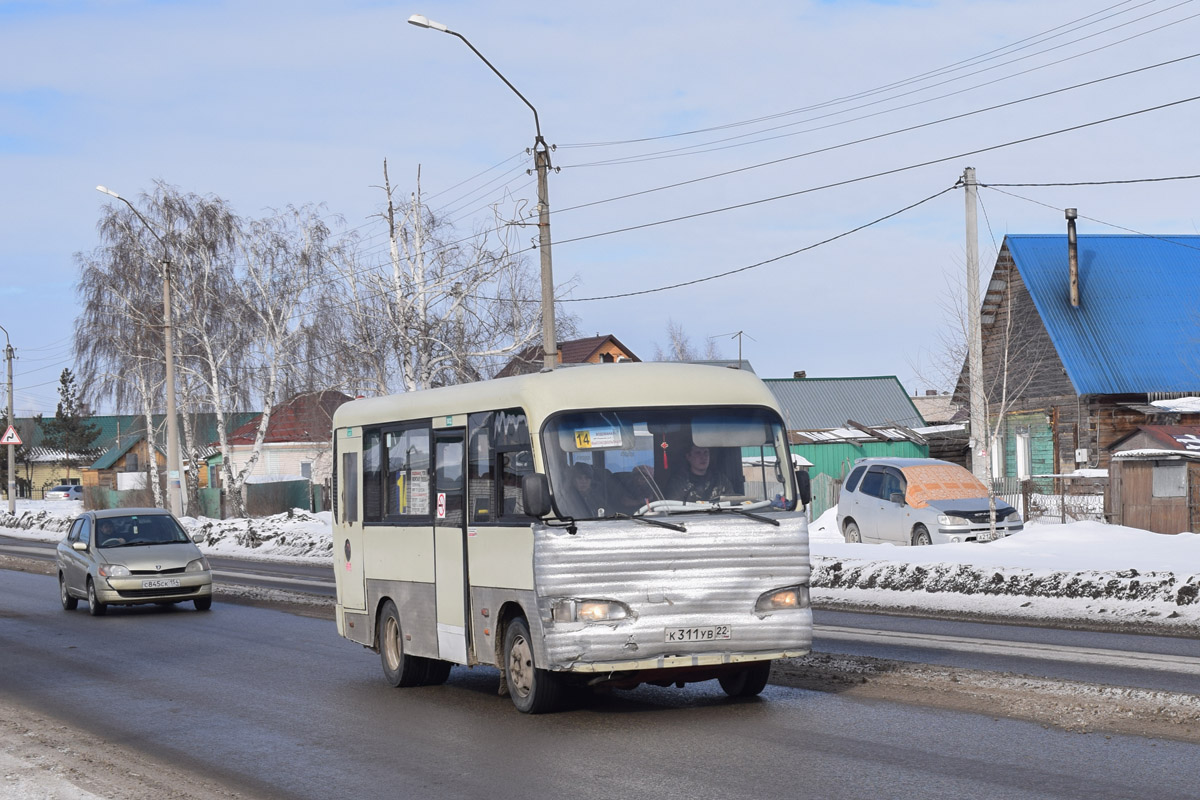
x,y
604,464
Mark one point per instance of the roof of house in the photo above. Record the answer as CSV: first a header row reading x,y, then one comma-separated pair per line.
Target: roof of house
x,y
1136,328
303,418
1184,438
936,408
575,351
811,404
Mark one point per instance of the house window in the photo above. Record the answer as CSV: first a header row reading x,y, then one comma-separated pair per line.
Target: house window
x,y
997,455
1024,455
1169,479
306,470
131,462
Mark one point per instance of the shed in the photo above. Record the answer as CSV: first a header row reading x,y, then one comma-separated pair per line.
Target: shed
x,y
1155,479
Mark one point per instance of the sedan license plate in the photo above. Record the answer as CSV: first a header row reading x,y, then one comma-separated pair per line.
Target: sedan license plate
x,y
161,583
705,634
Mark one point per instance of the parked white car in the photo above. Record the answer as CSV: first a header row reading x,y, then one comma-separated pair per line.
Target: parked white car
x,y
917,501
65,492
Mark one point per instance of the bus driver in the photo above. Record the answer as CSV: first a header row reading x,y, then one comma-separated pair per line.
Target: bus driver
x,y
698,483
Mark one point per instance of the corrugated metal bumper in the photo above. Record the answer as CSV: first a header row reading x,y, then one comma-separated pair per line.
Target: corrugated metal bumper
x,y
697,583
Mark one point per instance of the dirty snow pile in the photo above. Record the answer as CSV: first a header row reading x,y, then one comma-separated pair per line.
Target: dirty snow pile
x,y
1079,571
1082,571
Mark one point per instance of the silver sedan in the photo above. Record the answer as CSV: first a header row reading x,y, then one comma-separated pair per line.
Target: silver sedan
x,y
126,556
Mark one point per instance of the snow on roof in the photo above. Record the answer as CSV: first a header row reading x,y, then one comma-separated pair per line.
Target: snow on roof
x,y
1181,405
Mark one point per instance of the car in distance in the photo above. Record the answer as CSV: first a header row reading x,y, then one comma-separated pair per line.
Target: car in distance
x,y
126,556
65,492
918,501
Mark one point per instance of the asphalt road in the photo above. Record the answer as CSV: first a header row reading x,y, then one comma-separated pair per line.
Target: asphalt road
x,y
278,705
1121,659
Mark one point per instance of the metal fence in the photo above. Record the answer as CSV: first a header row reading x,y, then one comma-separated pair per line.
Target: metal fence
x,y
1054,498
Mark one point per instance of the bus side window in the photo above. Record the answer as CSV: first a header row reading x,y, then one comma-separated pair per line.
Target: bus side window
x,y
372,476
349,499
481,482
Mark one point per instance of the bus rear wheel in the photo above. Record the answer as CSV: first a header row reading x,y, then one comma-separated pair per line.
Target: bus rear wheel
x,y
533,690
748,682
399,668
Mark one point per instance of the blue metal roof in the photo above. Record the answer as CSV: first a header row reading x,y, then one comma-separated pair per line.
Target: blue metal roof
x,y
1137,327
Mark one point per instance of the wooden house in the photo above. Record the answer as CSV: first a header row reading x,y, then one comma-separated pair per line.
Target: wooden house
x,y
297,441
1154,479
592,350
1065,380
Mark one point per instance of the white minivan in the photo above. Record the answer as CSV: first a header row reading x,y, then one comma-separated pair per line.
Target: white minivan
x,y
918,501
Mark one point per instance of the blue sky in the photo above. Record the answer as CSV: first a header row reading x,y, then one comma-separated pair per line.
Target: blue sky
x,y
271,103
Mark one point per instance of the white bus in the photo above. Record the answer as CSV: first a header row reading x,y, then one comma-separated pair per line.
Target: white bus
x,y
466,532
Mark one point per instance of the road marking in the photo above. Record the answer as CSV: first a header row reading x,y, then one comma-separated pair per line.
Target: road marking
x,y
259,576
33,551
1055,652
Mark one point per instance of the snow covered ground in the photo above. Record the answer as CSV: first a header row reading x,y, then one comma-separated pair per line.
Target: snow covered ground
x,y
1078,572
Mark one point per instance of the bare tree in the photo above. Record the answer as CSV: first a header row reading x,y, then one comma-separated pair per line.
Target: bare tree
x,y
680,347
440,309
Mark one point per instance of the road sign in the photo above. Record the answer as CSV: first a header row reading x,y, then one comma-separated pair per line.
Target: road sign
x,y
10,436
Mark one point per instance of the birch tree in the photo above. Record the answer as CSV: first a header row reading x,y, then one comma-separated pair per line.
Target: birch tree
x,y
438,310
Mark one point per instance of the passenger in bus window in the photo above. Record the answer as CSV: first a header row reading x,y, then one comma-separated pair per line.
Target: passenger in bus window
x,y
700,481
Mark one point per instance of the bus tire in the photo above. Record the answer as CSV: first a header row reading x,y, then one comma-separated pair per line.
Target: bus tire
x,y
748,682
436,671
533,690
921,536
399,668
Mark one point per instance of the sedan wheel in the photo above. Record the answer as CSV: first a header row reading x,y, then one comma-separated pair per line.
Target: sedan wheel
x,y
69,603
852,533
921,536
95,607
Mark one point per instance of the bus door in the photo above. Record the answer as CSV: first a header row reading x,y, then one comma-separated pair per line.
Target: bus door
x,y
450,544
347,524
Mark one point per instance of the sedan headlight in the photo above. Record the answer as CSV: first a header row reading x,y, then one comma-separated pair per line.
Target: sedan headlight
x,y
590,611
198,565
782,599
114,571
944,519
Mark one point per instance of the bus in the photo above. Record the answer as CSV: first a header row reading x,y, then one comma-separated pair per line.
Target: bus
x,y
557,526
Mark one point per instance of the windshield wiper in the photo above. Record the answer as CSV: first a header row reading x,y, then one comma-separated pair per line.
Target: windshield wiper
x,y
652,521
744,513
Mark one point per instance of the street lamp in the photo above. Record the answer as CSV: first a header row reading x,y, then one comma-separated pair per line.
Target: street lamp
x,y
12,475
541,160
174,471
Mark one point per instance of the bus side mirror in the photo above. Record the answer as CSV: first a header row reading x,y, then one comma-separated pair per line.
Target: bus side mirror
x,y
535,494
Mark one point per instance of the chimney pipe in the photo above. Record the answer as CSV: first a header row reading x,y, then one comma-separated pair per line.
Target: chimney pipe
x,y
1073,256
799,374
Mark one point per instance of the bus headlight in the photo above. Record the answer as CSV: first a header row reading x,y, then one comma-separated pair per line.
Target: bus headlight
x,y
782,599
590,611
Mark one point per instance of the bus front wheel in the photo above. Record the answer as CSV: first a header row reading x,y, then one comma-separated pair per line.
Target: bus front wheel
x,y
399,668
748,682
533,690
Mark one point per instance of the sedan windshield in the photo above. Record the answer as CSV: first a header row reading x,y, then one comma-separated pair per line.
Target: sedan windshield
x,y
604,464
134,531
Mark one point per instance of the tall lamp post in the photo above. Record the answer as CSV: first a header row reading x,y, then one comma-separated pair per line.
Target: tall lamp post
x,y
12,475
174,471
541,161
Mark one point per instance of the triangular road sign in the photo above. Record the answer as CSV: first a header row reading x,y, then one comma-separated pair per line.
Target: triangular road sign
x,y
10,436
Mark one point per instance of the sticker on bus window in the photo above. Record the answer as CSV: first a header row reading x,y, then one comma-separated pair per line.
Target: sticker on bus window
x,y
590,438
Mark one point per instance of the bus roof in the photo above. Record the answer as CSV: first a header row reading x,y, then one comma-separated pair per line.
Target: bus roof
x,y
631,384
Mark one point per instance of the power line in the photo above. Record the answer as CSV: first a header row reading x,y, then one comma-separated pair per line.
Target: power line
x,y
908,129
844,98
806,248
885,172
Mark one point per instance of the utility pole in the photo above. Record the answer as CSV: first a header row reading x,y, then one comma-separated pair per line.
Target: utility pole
x,y
12,459
979,437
